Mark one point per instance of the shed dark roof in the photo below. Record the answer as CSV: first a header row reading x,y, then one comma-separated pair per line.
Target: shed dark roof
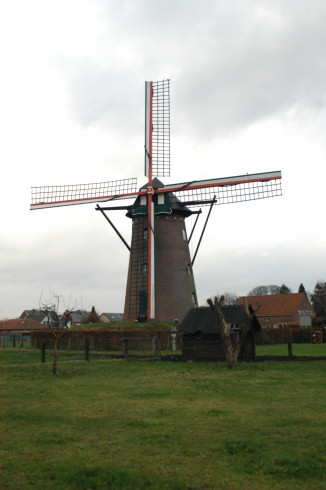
x,y
203,319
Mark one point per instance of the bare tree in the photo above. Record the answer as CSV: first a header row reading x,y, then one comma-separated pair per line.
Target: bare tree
x,y
228,298
274,289
259,291
263,290
56,324
231,352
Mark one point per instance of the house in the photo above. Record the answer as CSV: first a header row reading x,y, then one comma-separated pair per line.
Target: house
x,y
200,334
111,317
50,318
36,315
20,327
76,317
277,310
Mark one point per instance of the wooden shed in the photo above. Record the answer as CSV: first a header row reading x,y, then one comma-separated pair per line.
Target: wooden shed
x,y
201,340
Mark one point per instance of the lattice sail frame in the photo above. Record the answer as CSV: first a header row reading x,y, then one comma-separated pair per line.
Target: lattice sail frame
x,y
230,190
157,128
68,195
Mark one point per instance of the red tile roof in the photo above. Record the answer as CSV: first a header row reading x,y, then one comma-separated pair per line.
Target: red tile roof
x,y
21,324
278,304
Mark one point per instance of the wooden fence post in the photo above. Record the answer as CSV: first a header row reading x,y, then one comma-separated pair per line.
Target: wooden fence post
x,y
290,346
43,351
87,350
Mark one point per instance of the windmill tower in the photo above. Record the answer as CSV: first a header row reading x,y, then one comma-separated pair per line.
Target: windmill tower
x,y
175,291
160,282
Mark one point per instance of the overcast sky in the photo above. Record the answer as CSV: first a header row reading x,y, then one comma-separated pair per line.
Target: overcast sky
x,y
248,94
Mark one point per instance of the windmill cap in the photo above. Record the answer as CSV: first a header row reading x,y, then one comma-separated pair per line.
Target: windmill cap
x,y
171,203
156,184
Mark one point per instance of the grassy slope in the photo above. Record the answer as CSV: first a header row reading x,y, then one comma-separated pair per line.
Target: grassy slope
x,y
163,425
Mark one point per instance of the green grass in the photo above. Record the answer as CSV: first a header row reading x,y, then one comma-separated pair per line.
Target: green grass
x,y
153,425
29,355
297,350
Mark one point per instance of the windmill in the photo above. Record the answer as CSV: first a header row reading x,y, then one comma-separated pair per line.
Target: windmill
x,y
160,282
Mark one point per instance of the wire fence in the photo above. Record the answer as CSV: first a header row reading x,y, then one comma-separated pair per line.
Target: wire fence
x,y
93,345
81,346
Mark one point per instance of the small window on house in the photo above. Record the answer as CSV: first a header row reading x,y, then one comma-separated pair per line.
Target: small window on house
x,y
145,234
143,200
144,269
160,199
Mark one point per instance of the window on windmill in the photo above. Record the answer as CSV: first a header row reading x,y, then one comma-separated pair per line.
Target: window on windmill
x,y
143,200
193,297
184,235
189,269
144,269
145,234
160,199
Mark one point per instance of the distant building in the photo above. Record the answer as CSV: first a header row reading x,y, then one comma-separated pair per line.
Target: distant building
x,y
277,310
36,315
75,317
40,316
111,317
49,318
20,327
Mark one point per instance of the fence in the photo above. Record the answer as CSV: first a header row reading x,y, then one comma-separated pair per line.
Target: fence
x,y
146,348
100,343
298,335
81,345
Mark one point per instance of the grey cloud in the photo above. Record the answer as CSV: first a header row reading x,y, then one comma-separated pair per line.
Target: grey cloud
x,y
274,264
231,64
103,95
264,69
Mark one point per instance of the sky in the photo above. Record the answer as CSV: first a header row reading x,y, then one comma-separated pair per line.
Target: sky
x,y
248,95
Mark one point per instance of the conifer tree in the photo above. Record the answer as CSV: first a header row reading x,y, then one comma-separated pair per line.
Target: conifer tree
x,y
301,289
285,290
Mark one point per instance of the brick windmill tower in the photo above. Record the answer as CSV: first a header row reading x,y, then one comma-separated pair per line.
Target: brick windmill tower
x,y
160,282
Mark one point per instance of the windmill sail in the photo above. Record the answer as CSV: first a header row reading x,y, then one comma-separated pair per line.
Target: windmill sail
x,y
69,195
157,162
228,190
157,128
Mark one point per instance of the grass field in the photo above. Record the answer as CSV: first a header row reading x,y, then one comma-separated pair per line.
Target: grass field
x,y
152,425
297,350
